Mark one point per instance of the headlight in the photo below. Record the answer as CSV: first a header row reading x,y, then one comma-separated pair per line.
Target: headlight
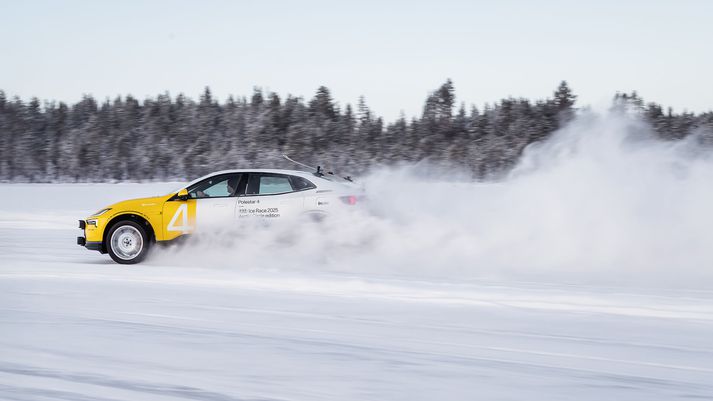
x,y
92,222
99,213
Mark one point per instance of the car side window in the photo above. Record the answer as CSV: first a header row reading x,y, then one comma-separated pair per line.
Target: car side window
x,y
266,184
220,186
301,184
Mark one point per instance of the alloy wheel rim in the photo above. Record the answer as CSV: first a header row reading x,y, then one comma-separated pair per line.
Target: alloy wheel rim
x,y
127,242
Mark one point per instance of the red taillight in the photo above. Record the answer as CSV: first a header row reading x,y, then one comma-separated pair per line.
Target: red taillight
x,y
349,200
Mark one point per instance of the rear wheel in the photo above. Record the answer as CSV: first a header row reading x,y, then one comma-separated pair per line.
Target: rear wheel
x,y
128,242
314,217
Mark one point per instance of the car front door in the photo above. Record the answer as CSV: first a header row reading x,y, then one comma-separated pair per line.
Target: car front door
x,y
211,205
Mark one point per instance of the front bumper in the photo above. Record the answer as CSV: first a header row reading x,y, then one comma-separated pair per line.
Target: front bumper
x,y
91,245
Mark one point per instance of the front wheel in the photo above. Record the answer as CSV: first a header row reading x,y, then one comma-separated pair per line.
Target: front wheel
x,y
128,242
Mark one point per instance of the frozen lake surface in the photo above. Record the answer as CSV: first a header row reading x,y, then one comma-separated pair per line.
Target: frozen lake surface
x,y
76,326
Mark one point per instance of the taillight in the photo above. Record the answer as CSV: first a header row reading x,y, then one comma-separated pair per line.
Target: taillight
x,y
349,200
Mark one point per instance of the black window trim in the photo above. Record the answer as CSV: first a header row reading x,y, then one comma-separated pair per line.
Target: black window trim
x,y
292,183
242,176
289,178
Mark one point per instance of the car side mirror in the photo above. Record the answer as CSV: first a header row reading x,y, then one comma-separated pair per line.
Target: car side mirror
x,y
182,194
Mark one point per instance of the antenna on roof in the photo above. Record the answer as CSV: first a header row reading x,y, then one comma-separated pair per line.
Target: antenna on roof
x,y
300,164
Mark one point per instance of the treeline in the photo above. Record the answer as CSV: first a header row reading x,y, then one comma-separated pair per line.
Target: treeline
x,y
178,138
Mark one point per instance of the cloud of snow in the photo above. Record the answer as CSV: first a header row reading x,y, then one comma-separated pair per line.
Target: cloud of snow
x,y
602,201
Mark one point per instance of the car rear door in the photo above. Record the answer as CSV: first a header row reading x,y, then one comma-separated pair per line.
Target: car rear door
x,y
269,196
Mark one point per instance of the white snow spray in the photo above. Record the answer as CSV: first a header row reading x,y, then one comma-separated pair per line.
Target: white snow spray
x,y
601,201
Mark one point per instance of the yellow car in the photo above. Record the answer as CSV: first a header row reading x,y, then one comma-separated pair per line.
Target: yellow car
x,y
126,230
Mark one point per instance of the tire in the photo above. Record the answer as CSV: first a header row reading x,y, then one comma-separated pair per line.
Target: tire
x,y
127,242
314,217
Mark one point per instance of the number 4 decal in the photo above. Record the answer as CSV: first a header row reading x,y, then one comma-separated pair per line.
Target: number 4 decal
x,y
182,213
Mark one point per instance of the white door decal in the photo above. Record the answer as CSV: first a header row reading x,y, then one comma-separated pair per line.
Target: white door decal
x,y
182,211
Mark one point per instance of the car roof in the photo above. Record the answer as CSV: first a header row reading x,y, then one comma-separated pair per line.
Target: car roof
x,y
262,170
309,175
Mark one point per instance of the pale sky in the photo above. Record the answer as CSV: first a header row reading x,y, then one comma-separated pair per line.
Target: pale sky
x,y
392,53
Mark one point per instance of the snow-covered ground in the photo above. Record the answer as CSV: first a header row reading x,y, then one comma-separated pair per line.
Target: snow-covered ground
x,y
206,324
586,274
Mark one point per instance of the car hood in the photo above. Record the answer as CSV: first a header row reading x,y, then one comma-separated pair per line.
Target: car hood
x,y
141,205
